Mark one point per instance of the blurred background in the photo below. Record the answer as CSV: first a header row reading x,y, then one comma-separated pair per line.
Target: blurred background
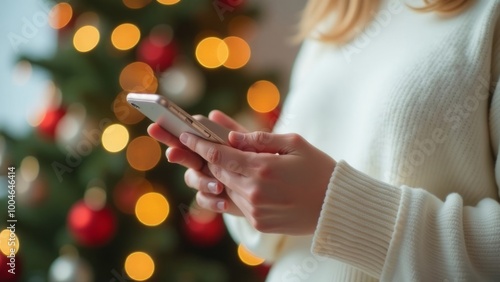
x,y
88,195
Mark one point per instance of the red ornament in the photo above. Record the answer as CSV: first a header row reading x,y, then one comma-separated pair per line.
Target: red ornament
x,y
204,233
91,227
10,268
50,121
158,52
262,270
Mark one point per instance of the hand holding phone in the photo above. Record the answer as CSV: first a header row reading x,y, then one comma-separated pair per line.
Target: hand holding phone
x,y
174,119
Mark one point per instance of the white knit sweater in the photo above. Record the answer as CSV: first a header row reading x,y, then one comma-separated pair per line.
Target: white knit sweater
x,y
411,111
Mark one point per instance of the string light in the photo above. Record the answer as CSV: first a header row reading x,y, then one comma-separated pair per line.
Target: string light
x,y
9,242
125,36
263,96
139,266
136,4
95,198
143,153
124,112
22,72
60,15
30,168
212,52
247,257
114,138
168,2
152,209
138,77
239,52
86,38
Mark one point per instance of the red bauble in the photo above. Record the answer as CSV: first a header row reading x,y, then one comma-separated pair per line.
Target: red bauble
x,y
91,227
7,264
204,233
262,270
158,52
48,125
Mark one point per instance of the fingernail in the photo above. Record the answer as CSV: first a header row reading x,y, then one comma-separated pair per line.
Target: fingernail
x,y
221,206
184,138
167,154
238,136
212,187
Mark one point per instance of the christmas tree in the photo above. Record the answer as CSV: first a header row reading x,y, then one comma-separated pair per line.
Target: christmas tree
x,y
90,196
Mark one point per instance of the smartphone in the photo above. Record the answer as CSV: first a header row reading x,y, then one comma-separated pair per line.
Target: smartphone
x,y
175,120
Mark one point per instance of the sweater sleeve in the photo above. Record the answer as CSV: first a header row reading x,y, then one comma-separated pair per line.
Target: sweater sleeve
x,y
408,234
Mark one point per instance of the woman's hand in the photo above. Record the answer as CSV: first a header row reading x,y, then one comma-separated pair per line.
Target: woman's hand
x,y
197,175
278,181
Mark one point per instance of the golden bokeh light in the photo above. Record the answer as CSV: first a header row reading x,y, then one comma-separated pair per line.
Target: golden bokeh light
x,y
125,36
139,266
86,38
9,242
22,72
30,168
168,2
136,4
95,198
124,112
60,15
263,96
212,52
152,209
143,153
138,77
247,257
239,52
115,138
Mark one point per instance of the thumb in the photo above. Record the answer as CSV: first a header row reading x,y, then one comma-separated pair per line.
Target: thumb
x,y
264,142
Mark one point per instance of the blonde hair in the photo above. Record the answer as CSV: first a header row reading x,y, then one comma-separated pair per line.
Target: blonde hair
x,y
353,15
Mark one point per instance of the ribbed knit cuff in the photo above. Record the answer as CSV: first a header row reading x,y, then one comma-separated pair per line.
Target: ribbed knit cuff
x,y
357,219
